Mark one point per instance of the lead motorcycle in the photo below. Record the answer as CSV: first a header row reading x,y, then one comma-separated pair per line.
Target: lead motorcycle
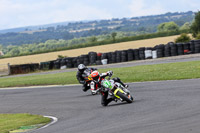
x,y
117,91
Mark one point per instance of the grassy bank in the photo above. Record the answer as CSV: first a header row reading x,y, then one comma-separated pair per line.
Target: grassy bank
x,y
9,122
169,71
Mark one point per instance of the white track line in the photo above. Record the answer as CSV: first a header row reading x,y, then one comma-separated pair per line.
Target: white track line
x,y
54,120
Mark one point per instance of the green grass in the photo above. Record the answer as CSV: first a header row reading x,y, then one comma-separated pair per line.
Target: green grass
x,y
169,71
9,122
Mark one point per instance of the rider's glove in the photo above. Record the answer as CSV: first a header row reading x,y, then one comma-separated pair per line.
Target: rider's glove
x,y
109,73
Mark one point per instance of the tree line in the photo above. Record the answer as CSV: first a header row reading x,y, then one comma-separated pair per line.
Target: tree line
x,y
163,29
129,26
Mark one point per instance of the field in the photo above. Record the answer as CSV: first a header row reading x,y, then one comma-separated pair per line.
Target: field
x,y
76,52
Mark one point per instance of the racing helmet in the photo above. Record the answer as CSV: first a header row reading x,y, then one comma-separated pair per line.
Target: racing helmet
x,y
95,76
81,67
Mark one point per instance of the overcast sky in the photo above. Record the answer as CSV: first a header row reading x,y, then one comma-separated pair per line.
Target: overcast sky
x,y
19,13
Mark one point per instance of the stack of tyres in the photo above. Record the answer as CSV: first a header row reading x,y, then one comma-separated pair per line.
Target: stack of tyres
x,y
85,59
57,64
173,48
180,50
92,58
148,53
136,54
80,60
123,56
167,50
63,62
44,65
141,53
99,56
118,56
113,56
130,54
186,48
109,57
98,59
51,64
34,67
69,62
154,53
192,46
160,50
197,46
104,56
75,61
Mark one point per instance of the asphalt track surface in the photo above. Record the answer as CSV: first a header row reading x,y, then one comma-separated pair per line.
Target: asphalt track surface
x,y
159,107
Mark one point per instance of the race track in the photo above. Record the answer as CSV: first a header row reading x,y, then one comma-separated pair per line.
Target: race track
x,y
159,107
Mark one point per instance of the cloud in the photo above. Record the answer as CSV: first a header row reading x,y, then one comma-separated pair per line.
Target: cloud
x,y
44,12
142,8
18,13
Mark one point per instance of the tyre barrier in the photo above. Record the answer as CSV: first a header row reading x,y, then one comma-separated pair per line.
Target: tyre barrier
x,y
130,55
148,53
167,50
113,57
180,50
57,64
109,57
160,50
93,58
25,68
141,53
196,46
173,49
118,56
136,54
124,56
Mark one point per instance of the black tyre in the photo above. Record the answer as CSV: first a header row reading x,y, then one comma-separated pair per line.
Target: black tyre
x,y
124,97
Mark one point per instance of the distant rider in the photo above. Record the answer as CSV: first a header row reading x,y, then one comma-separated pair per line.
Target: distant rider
x,y
96,83
82,73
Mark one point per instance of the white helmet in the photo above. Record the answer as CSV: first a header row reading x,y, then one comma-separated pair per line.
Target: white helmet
x,y
81,67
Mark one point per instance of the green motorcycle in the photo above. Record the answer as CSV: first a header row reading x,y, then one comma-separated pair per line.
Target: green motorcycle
x,y
117,91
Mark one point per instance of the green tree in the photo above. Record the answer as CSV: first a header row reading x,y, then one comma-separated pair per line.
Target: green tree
x,y
114,34
186,26
183,38
195,27
92,39
168,26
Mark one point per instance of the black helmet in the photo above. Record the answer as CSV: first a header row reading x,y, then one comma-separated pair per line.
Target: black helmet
x,y
81,67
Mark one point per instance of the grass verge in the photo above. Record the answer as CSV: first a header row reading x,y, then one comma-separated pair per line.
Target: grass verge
x,y
9,122
169,71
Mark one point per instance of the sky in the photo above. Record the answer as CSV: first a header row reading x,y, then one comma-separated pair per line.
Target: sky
x,y
20,13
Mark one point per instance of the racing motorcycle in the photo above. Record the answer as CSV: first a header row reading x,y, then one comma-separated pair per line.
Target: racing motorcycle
x,y
117,91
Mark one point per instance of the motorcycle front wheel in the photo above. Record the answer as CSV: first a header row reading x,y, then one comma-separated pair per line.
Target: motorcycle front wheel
x,y
128,99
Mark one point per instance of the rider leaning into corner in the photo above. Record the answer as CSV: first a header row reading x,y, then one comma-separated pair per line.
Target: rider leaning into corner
x,y
96,83
80,76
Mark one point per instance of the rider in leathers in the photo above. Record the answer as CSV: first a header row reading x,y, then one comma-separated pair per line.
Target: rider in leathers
x,y
80,76
96,83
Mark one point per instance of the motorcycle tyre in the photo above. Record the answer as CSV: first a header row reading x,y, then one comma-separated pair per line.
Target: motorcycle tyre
x,y
124,97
